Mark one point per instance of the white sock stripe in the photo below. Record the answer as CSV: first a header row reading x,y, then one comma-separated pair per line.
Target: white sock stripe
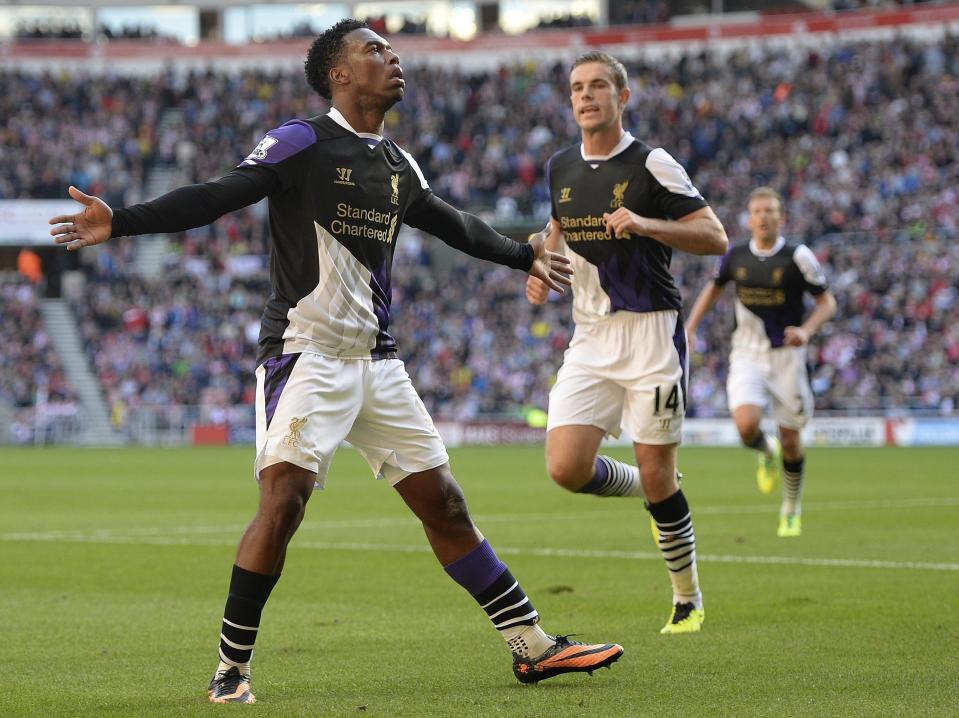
x,y
669,552
231,662
621,478
677,534
666,524
508,608
237,646
515,584
673,559
667,546
513,621
242,628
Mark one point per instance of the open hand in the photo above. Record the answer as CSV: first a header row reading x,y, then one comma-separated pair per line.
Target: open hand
x,y
91,226
550,268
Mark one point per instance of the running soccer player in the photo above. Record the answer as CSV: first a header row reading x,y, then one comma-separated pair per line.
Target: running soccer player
x,y
768,357
327,367
620,208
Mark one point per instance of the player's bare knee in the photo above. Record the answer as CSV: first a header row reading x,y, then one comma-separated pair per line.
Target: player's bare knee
x,y
283,503
748,433
792,446
568,475
449,508
456,510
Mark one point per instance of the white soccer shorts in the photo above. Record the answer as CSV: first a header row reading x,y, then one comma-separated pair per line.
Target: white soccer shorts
x,y
307,404
776,375
628,371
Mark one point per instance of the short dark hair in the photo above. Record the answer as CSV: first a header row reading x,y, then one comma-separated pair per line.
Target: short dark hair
x,y
325,52
615,66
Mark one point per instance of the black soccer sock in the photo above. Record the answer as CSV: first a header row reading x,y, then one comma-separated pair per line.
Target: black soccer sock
x,y
758,443
241,617
793,485
492,585
677,544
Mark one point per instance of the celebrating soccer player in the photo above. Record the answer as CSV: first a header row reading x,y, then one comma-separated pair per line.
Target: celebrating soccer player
x,y
327,367
768,358
620,207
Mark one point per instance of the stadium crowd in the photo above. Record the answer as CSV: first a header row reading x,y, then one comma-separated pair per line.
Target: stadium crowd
x,y
858,137
475,347
34,390
862,139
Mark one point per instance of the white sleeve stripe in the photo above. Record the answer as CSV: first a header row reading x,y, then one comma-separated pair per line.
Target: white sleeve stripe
x,y
670,174
809,266
416,168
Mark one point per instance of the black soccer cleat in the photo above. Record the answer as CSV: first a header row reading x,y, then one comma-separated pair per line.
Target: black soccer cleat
x,y
230,686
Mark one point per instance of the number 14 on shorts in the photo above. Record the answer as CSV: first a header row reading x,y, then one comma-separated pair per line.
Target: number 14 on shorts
x,y
671,403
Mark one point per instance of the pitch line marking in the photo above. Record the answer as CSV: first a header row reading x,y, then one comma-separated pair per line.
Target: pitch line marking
x,y
103,538
409,521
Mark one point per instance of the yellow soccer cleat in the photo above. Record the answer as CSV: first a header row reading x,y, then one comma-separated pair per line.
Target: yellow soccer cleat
x,y
789,525
685,618
767,473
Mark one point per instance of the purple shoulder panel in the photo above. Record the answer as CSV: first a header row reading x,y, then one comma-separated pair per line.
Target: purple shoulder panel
x,y
282,143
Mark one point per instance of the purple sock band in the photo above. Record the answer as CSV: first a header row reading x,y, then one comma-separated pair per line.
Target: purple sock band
x,y
477,570
600,475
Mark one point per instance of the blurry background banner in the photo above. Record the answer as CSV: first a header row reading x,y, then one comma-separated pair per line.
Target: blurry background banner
x,y
24,221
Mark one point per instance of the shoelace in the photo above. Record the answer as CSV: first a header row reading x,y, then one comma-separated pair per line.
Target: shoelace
x,y
564,640
229,679
682,612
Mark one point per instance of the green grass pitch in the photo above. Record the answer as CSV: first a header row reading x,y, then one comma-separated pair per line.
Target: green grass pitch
x,y
114,568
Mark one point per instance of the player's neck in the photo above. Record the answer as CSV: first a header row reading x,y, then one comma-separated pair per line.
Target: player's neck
x,y
763,244
600,142
368,120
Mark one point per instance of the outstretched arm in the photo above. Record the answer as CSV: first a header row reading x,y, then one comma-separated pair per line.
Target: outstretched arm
x,y
536,291
473,236
184,208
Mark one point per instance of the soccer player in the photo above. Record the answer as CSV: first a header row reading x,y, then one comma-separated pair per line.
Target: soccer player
x,y
768,358
327,367
620,208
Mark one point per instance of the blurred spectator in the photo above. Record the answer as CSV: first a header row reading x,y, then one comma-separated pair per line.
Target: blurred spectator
x,y
862,140
637,12
32,382
564,21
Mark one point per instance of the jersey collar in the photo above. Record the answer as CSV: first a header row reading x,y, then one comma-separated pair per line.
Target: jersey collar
x,y
337,117
625,141
767,252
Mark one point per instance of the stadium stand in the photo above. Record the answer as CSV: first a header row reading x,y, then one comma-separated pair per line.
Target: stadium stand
x,y
36,399
861,138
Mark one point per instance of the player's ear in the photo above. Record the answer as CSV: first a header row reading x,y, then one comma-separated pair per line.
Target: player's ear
x,y
623,97
340,75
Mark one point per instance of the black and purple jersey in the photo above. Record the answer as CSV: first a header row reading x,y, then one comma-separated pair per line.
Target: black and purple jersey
x,y
334,223
632,273
769,290
337,199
